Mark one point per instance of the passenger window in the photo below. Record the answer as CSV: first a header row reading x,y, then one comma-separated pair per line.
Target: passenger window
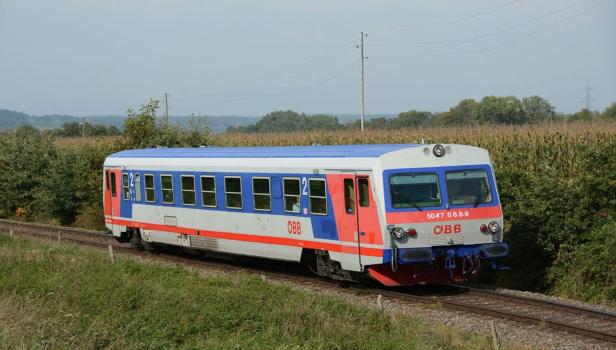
x,y
349,196
137,187
261,193
113,185
150,193
318,198
125,187
233,192
208,191
166,185
107,179
290,191
188,190
364,192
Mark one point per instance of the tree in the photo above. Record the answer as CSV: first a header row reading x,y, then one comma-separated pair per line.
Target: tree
x,y
113,130
282,121
140,128
537,108
610,112
411,119
500,110
289,121
57,197
583,115
461,114
323,122
25,160
379,123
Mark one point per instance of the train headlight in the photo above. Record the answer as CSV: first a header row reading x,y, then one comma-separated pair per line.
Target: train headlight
x,y
398,232
438,150
494,227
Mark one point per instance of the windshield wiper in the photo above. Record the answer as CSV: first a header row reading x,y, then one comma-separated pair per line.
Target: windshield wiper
x,y
417,206
477,202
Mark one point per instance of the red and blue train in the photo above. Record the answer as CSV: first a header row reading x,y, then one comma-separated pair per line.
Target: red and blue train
x,y
401,214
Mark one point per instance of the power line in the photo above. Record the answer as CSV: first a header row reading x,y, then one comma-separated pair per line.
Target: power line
x,y
499,45
321,82
459,20
486,34
309,67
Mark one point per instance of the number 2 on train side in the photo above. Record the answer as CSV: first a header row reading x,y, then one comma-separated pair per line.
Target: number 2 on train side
x,y
304,186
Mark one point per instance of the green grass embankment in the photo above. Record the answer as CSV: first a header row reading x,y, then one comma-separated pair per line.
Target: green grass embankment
x,y
54,296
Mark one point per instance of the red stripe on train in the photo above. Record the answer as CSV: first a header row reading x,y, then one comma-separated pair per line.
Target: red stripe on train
x,y
378,252
444,215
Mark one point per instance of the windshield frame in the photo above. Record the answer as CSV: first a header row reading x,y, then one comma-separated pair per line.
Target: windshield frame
x,y
488,183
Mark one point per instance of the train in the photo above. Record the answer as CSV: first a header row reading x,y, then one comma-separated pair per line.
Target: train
x,y
398,214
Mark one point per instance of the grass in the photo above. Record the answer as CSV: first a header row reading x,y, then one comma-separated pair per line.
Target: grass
x,y
62,297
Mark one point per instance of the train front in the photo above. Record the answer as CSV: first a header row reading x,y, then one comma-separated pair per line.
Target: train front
x,y
442,215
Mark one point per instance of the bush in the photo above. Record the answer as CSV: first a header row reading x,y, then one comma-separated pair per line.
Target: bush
x,y
586,271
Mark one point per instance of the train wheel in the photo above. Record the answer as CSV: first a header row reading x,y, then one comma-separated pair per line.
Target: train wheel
x,y
135,239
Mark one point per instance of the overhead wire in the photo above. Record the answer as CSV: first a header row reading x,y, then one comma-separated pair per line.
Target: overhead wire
x,y
488,34
499,45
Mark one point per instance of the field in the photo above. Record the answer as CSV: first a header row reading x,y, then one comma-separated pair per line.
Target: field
x,y
557,183
54,296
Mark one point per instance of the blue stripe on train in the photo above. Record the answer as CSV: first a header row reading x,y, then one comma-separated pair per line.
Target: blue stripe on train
x,y
323,226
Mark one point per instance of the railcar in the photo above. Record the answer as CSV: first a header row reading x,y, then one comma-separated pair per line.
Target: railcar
x,y
401,214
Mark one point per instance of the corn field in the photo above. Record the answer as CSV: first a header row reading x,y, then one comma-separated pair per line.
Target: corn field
x,y
557,184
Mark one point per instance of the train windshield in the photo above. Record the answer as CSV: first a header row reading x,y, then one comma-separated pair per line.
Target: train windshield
x,y
414,190
468,187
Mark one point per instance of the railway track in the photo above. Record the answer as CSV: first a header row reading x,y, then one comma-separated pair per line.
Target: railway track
x,y
573,319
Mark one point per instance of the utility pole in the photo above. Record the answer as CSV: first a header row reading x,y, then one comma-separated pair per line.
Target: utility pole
x,y
361,49
166,110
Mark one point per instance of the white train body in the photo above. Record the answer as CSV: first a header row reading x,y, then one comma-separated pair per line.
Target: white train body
x,y
402,214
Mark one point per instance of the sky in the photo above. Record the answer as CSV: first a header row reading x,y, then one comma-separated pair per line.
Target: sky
x,y
238,57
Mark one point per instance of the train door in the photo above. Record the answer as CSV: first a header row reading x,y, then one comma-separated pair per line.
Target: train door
x,y
360,210
112,194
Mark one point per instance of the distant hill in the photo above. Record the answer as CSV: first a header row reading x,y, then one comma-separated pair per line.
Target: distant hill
x,y
12,119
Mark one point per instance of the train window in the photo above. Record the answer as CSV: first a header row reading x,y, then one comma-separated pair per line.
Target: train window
x,y
414,190
261,193
166,186
290,190
137,187
233,192
363,188
349,196
468,187
125,187
188,190
107,179
113,184
208,191
150,193
318,198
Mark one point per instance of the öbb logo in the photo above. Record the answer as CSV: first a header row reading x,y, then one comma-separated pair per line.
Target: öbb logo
x,y
447,229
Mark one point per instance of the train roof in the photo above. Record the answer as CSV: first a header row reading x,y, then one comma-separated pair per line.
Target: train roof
x,y
335,151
